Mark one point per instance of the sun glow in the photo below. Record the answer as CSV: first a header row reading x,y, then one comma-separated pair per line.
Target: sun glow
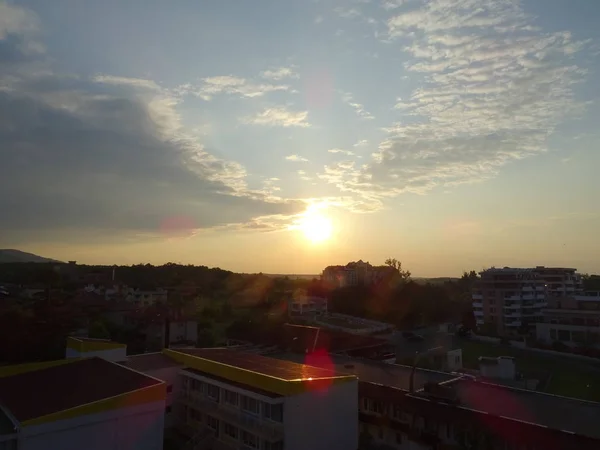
x,y
316,227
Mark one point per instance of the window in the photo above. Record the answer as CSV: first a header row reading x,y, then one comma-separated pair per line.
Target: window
x,y
399,438
250,440
195,415
273,412
373,406
231,431
170,388
396,412
212,423
167,410
231,398
553,334
250,405
212,391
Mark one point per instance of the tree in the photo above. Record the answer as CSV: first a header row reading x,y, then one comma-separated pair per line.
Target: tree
x,y
98,330
397,265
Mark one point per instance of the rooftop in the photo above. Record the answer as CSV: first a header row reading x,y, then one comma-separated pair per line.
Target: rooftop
x,y
284,370
370,371
36,393
559,413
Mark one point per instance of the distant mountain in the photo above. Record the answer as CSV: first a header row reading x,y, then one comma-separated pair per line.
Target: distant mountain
x,y
8,255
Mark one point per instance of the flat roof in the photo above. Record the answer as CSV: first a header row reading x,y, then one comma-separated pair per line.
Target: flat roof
x,y
277,368
50,390
150,361
551,411
393,375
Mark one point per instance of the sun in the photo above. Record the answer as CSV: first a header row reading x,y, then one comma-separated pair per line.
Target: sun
x,y
316,228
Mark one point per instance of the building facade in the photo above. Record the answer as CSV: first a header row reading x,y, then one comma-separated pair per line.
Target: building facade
x,y
573,321
225,399
509,301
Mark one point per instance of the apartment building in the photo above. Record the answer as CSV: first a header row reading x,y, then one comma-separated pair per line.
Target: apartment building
x,y
77,403
511,300
573,320
227,399
560,281
508,298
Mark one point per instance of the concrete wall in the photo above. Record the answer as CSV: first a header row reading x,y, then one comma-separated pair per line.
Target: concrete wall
x,y
322,419
170,376
454,359
135,428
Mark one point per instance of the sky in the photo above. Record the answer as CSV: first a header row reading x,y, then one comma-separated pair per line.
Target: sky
x,y
449,134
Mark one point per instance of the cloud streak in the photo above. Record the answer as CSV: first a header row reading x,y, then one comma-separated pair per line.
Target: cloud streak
x,y
296,158
279,116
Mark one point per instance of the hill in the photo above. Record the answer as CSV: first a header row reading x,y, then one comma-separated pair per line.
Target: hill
x,y
16,256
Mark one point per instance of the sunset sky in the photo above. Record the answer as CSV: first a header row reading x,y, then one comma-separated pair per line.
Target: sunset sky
x,y
450,134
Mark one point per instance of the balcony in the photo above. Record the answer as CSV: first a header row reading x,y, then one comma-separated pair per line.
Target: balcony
x,y
477,305
234,415
515,323
477,296
478,313
517,305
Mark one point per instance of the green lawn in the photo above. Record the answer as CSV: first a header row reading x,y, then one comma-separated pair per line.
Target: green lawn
x,y
560,376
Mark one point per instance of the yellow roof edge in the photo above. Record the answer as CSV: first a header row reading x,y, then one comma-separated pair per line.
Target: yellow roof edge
x,y
17,369
334,377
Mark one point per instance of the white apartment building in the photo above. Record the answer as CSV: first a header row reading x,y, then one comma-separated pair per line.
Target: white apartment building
x,y
574,320
231,400
75,404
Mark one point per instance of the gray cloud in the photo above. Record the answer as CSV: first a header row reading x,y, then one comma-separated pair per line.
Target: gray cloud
x,y
81,156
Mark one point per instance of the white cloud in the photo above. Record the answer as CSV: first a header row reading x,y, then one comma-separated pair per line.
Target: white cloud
x,y
231,85
359,109
279,116
303,176
318,19
361,143
493,89
125,81
389,5
279,73
296,158
341,151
